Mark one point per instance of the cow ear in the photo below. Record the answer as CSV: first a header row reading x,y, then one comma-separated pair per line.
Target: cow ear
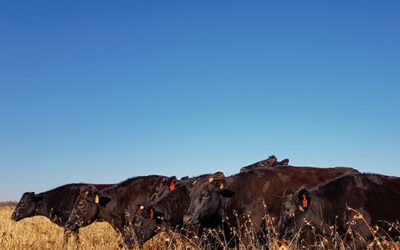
x,y
220,184
304,199
172,182
226,193
172,186
103,201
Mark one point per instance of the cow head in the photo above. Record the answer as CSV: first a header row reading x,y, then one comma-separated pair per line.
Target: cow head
x,y
147,223
293,210
166,208
162,188
27,206
206,200
86,207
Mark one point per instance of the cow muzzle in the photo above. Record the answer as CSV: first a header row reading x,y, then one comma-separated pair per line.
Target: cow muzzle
x,y
190,220
15,216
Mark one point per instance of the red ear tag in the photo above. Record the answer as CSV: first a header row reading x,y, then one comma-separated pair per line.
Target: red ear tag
x,y
304,201
151,214
172,186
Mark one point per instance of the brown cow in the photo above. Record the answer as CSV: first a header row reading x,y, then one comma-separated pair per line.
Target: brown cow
x,y
217,200
376,197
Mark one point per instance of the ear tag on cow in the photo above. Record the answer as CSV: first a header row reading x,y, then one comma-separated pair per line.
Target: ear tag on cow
x,y
221,186
305,201
151,214
96,199
172,186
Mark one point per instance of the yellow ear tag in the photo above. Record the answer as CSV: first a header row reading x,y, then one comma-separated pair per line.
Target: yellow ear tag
x,y
96,199
221,186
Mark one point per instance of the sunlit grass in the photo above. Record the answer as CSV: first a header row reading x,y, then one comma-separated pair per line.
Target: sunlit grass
x,y
39,233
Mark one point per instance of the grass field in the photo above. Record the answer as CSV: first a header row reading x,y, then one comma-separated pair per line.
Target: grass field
x,y
39,233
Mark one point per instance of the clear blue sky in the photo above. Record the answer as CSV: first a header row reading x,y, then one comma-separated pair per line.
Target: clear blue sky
x,y
99,91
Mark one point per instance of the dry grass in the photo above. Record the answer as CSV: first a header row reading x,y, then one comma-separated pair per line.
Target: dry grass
x,y
39,233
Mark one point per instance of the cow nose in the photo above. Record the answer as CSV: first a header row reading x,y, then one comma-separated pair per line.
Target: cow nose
x,y
188,220
15,216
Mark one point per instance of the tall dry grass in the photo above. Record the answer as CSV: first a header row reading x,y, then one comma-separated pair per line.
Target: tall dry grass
x,y
39,233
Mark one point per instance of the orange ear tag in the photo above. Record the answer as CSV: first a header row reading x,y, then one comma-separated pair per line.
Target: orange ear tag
x,y
172,186
151,214
221,186
96,199
304,201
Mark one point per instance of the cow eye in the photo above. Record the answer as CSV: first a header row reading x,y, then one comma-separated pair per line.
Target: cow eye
x,y
205,195
23,204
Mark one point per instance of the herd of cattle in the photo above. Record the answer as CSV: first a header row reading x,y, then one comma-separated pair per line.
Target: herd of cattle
x,y
269,192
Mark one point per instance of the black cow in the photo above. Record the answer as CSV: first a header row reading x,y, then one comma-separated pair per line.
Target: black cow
x,y
166,211
376,197
218,199
271,161
55,204
116,205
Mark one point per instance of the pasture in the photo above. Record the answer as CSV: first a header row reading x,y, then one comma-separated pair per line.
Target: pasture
x,y
39,233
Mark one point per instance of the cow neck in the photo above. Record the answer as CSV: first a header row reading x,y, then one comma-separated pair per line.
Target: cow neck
x,y
174,205
103,211
232,185
241,186
50,210
42,207
57,202
315,213
228,203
